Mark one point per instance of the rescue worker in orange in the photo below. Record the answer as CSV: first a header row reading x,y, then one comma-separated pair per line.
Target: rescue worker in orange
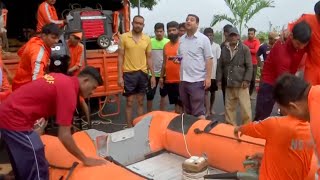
x,y
76,50
34,56
47,14
76,53
289,144
312,64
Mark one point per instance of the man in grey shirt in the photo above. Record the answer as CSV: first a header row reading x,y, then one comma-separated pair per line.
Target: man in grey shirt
x,y
195,69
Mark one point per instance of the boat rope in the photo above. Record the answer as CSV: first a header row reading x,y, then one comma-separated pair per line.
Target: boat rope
x,y
96,122
194,176
190,175
184,136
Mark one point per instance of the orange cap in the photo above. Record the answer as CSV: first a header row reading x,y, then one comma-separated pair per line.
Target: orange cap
x,y
78,35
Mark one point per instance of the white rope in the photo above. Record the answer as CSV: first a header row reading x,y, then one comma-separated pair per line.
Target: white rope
x,y
187,175
184,136
194,176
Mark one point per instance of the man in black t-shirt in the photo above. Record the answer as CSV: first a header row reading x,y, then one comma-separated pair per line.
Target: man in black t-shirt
x,y
265,48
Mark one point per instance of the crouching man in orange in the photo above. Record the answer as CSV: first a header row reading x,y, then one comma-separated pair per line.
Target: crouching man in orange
x,y
76,50
289,148
76,53
34,56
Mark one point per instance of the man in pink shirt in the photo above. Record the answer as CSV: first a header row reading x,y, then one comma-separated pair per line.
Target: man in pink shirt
x,y
253,43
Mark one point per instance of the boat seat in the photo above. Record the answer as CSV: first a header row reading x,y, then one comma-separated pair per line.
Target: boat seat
x,y
136,138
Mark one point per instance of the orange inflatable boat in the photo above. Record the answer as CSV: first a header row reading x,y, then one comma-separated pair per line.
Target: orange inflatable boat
x,y
155,148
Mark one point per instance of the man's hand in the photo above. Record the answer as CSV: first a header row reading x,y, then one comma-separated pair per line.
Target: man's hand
x,y
153,82
207,83
88,161
40,126
120,81
219,84
245,84
176,60
257,156
10,77
284,35
237,133
161,83
70,72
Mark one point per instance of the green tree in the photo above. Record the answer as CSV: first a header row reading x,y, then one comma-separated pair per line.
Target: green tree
x,y
262,36
242,12
217,38
149,4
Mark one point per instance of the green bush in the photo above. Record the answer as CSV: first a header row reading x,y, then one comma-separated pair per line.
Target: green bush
x,y
258,73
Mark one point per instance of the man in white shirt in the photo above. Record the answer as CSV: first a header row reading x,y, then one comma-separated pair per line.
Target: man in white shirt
x,y
216,51
195,69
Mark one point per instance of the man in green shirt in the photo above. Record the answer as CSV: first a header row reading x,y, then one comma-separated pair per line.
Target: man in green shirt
x,y
157,44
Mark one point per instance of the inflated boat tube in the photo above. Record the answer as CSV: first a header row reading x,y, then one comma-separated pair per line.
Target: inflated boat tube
x,y
183,135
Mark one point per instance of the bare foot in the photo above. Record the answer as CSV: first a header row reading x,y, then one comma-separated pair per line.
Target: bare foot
x,y
221,114
213,112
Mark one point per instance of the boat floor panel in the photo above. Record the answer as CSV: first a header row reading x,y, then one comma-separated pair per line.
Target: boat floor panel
x,y
166,166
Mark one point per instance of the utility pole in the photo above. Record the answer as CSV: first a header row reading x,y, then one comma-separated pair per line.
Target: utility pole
x,y
270,26
139,7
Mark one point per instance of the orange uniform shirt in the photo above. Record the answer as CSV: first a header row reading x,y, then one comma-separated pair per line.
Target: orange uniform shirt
x,y
288,150
312,64
314,111
172,69
34,60
47,14
76,55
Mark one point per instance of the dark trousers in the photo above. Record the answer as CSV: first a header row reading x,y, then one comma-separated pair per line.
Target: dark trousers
x,y
192,97
253,80
26,153
265,102
223,89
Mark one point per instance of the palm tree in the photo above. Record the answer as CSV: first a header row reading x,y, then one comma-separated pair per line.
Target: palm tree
x,y
242,11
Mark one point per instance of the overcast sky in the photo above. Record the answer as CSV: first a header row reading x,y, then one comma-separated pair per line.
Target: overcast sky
x,y
177,10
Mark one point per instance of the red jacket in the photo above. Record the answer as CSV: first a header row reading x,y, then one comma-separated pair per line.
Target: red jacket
x,y
283,58
254,47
